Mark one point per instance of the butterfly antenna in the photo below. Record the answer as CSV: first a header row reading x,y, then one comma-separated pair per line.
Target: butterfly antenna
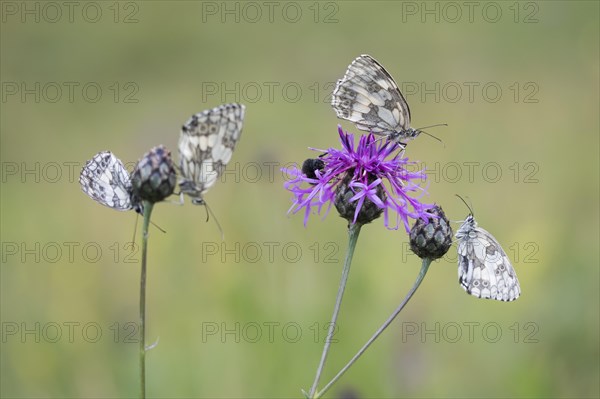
x,y
209,211
431,135
465,202
434,137
427,127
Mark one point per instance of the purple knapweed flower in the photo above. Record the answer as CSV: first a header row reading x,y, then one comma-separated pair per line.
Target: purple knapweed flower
x,y
370,179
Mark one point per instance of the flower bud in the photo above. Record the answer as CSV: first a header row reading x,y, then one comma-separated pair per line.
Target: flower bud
x,y
368,212
154,177
432,239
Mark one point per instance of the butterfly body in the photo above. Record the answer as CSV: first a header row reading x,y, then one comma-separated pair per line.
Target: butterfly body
x,y
404,135
484,270
206,144
368,96
105,180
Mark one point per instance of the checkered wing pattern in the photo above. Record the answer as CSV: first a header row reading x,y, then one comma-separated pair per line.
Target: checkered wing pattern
x,y
105,180
484,270
368,96
206,144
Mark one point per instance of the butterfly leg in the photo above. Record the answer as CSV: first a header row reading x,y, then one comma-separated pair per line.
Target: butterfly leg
x,y
180,202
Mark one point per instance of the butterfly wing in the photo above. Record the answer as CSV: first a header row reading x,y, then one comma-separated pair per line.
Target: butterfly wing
x,y
206,144
368,96
484,270
105,180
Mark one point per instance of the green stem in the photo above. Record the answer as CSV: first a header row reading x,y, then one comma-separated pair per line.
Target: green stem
x,y
420,277
353,232
147,213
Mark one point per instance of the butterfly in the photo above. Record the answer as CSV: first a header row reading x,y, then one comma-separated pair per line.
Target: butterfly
x,y
206,144
484,270
105,180
368,96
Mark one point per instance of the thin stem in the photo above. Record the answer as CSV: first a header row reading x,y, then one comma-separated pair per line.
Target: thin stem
x,y
420,277
147,213
353,232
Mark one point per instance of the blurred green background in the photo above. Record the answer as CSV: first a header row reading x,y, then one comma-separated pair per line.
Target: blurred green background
x,y
518,85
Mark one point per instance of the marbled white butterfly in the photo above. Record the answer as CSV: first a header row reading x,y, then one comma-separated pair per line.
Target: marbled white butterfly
x,y
368,96
105,180
484,270
206,144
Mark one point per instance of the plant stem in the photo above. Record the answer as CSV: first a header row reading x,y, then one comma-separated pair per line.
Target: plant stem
x,y
353,232
420,277
147,212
